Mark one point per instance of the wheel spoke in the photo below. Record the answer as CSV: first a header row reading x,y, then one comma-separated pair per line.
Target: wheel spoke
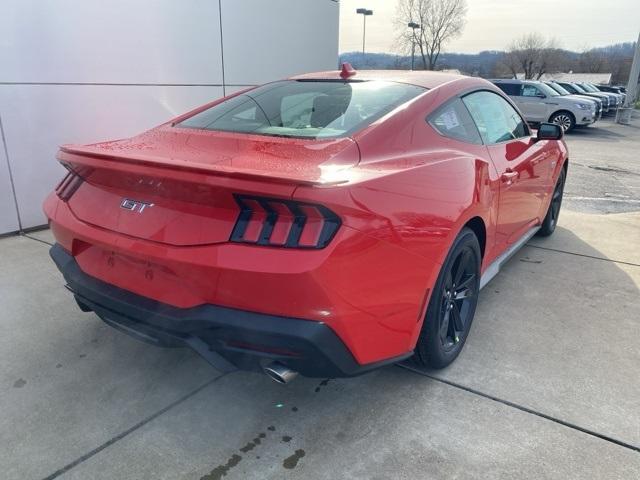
x,y
461,267
457,319
466,283
444,327
463,294
448,282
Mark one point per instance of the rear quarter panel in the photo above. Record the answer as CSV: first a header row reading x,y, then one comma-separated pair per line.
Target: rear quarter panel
x,y
412,192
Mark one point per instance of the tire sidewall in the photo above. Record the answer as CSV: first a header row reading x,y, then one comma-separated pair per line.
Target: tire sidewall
x,y
548,225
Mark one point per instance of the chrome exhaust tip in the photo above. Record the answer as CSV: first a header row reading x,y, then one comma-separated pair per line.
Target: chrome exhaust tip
x,y
279,373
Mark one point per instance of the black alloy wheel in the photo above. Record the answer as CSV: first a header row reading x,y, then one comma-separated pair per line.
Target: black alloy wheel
x,y
452,304
457,294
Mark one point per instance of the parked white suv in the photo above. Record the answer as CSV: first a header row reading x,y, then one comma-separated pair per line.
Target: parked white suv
x,y
540,103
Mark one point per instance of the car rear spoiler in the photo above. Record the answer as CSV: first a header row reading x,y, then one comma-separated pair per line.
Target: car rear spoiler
x,y
72,156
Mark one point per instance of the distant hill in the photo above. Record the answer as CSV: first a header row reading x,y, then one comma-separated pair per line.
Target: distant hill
x,y
483,64
480,64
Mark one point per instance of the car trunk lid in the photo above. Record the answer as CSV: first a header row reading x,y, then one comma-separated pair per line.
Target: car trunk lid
x,y
176,185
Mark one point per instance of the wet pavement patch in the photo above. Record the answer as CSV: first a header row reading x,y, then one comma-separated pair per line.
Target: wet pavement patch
x,y
253,444
323,383
528,260
292,461
221,470
21,382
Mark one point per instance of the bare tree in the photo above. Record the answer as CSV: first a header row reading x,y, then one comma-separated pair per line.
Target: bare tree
x,y
439,20
533,56
592,61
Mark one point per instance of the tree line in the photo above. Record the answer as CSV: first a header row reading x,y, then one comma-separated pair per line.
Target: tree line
x,y
437,22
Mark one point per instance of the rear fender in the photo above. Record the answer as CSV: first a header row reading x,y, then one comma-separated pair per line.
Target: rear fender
x,y
419,211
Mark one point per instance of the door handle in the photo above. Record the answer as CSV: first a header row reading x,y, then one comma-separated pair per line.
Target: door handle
x,y
509,176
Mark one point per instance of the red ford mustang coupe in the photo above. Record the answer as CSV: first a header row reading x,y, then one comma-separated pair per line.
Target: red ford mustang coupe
x,y
325,225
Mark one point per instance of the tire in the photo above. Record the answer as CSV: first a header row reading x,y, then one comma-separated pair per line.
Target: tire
x,y
442,337
565,119
553,212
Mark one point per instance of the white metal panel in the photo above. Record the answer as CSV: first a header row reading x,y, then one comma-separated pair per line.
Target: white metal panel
x,y
114,41
268,40
38,118
8,216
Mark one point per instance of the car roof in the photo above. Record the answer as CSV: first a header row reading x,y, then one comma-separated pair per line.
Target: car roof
x,y
423,78
514,80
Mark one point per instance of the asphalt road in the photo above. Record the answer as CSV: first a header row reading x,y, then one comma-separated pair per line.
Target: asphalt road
x,y
604,175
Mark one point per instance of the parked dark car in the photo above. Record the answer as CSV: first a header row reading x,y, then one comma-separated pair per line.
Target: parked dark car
x,y
610,89
563,92
615,99
578,90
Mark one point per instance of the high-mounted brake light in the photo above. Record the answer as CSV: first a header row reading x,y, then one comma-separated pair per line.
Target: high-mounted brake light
x,y
283,223
68,186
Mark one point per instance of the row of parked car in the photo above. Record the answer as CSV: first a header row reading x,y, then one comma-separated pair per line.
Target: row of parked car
x,y
567,104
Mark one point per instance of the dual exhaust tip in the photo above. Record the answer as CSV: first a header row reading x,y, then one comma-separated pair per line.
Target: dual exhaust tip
x,y
280,373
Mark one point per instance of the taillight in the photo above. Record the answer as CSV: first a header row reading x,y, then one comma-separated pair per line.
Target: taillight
x,y
283,223
68,186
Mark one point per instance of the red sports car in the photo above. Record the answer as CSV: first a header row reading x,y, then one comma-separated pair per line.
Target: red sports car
x,y
327,224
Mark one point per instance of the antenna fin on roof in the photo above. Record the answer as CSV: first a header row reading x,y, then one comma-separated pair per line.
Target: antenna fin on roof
x,y
347,70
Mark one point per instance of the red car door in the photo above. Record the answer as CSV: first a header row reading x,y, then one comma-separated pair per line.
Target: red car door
x,y
523,174
519,162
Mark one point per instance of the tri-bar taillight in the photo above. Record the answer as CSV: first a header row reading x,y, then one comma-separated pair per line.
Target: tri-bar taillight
x,y
68,186
283,223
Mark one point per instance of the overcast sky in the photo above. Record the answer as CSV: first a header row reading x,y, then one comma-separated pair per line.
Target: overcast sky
x,y
492,24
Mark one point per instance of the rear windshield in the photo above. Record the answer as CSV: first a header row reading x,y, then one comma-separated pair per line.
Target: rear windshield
x,y
302,108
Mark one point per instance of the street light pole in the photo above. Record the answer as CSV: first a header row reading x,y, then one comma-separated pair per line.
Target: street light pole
x,y
365,13
413,26
623,115
632,84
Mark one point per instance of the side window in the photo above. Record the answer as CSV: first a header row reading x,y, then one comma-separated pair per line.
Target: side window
x,y
452,120
512,89
496,119
531,91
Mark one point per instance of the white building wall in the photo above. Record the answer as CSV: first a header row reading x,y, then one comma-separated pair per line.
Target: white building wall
x,y
75,71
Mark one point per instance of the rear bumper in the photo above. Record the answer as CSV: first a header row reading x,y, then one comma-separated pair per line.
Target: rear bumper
x,y
228,338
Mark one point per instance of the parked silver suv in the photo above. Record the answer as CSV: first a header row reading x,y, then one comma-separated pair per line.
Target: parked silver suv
x,y
540,103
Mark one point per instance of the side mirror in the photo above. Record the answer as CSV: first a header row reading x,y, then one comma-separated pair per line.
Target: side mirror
x,y
549,131
541,95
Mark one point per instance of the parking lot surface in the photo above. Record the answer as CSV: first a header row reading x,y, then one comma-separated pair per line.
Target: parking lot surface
x,y
546,387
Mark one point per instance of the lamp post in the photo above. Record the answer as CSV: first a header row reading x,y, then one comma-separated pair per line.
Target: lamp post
x,y
413,26
623,115
365,13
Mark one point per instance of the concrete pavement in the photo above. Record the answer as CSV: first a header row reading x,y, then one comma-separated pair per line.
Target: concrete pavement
x,y
546,387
